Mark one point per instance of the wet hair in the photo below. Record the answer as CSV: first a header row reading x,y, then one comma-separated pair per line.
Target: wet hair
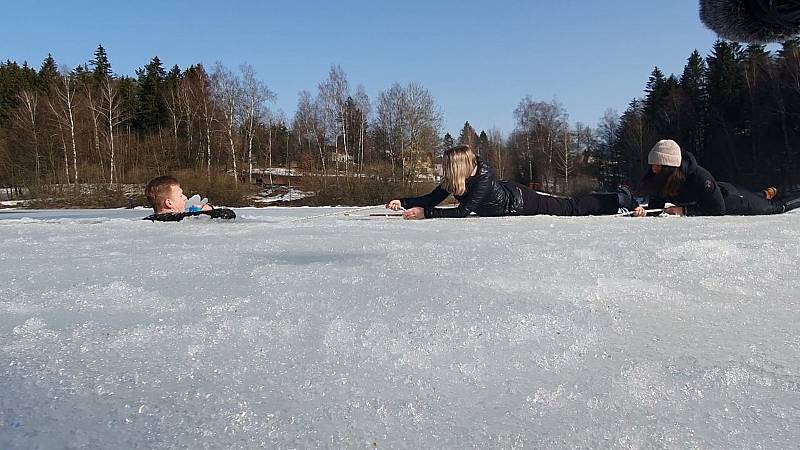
x,y
665,184
458,164
158,189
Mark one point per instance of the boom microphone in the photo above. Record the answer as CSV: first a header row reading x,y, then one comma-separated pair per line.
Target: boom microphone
x,y
753,21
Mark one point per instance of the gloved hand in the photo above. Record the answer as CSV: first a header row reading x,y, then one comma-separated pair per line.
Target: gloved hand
x,y
195,203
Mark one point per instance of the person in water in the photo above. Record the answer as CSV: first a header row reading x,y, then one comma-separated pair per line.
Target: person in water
x,y
170,204
675,177
473,183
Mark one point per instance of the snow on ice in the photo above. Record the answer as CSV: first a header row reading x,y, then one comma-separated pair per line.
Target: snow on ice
x,y
326,328
282,194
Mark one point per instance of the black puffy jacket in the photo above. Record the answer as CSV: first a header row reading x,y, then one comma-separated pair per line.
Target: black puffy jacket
x,y
700,193
484,195
216,213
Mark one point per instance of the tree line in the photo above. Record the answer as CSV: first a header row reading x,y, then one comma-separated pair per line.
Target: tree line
x,y
736,110
89,125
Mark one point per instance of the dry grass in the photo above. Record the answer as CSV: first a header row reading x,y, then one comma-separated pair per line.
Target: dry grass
x,y
357,191
82,196
220,189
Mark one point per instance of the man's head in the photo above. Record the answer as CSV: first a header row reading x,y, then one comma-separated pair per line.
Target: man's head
x,y
165,195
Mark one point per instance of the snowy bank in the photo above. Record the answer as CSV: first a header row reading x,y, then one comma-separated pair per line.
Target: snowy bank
x,y
306,328
281,194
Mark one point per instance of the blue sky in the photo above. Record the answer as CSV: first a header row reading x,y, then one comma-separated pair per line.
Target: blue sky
x,y
478,59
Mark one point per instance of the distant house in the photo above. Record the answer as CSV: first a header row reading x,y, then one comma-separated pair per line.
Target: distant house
x,y
341,158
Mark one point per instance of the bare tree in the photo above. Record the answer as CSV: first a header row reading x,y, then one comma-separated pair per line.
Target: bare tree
x,y
255,96
92,98
112,114
173,104
606,160
308,123
541,124
422,123
408,123
362,101
333,94
269,123
207,109
497,152
565,158
189,106
28,118
63,107
227,92
388,124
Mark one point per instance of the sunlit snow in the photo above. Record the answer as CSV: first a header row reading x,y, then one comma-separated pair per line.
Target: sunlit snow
x,y
328,328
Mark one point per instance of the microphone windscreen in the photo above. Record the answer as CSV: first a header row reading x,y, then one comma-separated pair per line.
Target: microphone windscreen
x,y
753,21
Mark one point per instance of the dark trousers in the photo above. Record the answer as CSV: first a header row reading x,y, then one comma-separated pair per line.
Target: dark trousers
x,y
740,201
534,203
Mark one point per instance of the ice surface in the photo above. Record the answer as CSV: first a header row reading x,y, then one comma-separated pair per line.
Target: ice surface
x,y
326,328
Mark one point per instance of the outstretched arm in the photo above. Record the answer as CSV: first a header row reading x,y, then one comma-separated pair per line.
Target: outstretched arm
x,y
468,203
425,201
415,206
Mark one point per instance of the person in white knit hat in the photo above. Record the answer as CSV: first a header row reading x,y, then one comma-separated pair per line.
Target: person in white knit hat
x,y
665,153
675,177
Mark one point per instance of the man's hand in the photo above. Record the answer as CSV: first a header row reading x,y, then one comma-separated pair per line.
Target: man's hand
x,y
639,212
414,213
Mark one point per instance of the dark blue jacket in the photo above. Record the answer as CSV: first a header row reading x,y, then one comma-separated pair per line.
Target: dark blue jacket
x,y
700,193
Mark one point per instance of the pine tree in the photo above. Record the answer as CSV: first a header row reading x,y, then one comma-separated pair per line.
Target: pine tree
x,y
13,79
469,137
101,67
663,106
174,74
483,143
632,142
693,85
786,96
48,73
81,70
448,141
693,78
670,111
128,95
152,111
655,90
757,81
725,95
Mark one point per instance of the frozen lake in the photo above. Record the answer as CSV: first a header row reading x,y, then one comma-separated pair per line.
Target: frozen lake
x,y
326,328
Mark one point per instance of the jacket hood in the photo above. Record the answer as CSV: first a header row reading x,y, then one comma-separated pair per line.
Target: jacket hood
x,y
688,162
